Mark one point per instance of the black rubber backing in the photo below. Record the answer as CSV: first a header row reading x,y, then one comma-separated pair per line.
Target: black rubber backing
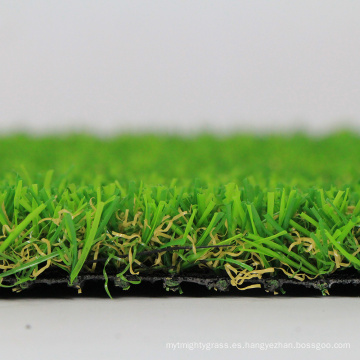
x,y
199,284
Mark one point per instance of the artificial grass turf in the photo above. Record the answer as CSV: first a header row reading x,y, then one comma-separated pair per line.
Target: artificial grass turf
x,y
244,206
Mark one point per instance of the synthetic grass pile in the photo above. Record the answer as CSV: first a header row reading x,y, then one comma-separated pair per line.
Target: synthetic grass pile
x,y
243,231
89,222
294,160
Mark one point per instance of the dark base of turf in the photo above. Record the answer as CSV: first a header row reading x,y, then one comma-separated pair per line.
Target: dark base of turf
x,y
95,289
345,283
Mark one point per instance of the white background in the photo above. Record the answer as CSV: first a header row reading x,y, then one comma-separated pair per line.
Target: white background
x,y
106,66
139,328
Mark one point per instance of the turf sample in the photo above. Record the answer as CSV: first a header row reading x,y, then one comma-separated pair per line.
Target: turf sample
x,y
251,231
